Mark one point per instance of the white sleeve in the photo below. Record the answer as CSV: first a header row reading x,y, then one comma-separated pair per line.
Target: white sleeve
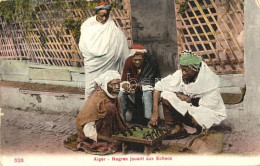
x,y
211,109
90,130
169,83
181,106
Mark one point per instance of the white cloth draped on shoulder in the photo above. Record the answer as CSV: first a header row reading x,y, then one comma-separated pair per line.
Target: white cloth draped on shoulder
x,y
211,109
104,47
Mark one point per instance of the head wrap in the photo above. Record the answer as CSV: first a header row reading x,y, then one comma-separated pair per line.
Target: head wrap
x,y
101,6
105,78
137,49
187,58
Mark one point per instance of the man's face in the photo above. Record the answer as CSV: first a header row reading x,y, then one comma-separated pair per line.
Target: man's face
x,y
102,16
138,60
113,87
188,74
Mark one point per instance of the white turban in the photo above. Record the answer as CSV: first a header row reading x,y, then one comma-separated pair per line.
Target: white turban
x,y
137,49
105,78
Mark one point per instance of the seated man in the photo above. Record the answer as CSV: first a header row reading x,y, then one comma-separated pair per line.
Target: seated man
x,y
100,116
189,96
139,74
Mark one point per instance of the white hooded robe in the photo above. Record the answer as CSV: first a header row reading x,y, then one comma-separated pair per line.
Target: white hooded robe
x,y
211,109
104,47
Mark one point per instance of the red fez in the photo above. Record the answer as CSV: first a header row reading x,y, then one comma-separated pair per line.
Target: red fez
x,y
138,47
102,3
137,50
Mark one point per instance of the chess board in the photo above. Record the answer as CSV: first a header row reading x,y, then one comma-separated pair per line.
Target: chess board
x,y
143,135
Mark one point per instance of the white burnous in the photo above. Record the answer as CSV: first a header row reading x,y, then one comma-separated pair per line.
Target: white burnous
x,y
103,46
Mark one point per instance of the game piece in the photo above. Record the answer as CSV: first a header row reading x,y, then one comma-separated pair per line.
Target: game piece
x,y
143,136
153,132
164,130
140,127
134,128
157,132
131,133
123,132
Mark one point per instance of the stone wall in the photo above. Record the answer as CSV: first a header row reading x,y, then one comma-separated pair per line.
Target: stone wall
x,y
252,65
54,102
24,71
47,102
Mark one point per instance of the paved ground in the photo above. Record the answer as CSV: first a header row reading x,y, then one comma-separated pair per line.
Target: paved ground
x,y
34,132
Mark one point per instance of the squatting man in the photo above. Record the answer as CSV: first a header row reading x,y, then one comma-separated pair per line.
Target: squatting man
x,y
100,116
190,97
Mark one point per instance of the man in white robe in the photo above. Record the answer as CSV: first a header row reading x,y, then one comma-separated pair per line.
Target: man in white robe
x,y
189,96
103,46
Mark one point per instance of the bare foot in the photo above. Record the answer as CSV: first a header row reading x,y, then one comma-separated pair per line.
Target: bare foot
x,y
176,129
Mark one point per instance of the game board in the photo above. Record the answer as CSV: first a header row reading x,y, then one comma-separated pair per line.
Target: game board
x,y
149,137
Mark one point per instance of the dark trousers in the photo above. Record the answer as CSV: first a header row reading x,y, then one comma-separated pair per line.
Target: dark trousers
x,y
138,112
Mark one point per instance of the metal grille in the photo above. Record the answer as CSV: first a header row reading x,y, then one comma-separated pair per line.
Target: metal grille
x,y
210,29
50,42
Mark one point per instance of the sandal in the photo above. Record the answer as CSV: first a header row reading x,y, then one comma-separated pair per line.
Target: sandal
x,y
198,130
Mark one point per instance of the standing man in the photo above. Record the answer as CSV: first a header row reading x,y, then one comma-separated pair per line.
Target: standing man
x,y
139,76
100,116
189,96
103,46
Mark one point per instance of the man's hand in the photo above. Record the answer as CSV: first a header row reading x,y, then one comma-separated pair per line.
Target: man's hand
x,y
126,86
130,87
155,115
154,119
183,97
96,86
